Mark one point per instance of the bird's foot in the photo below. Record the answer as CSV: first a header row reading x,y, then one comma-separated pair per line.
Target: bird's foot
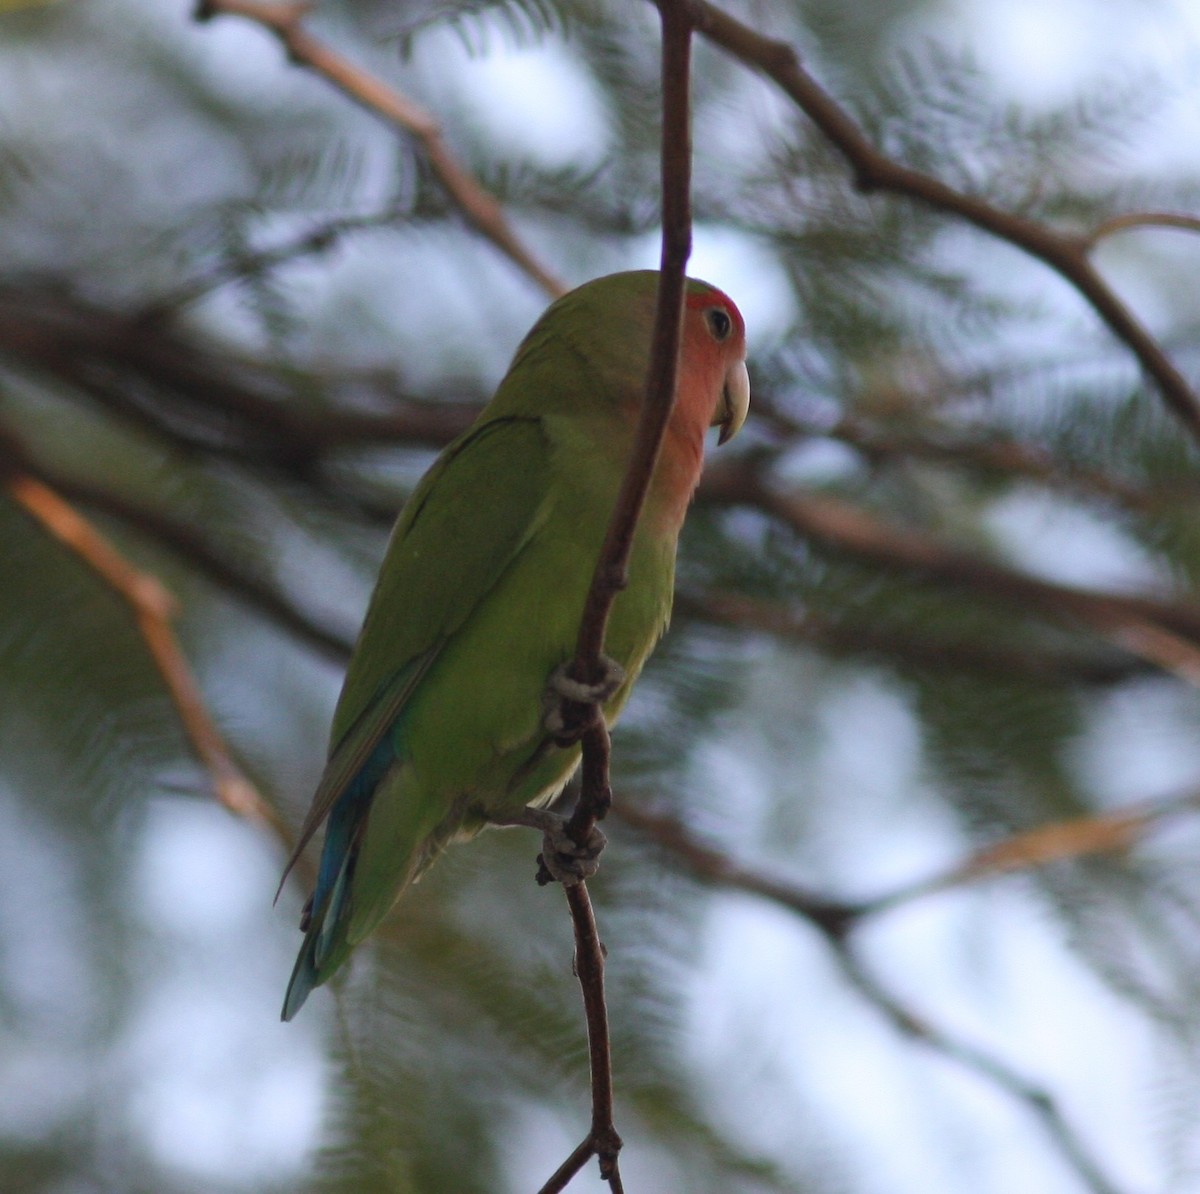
x,y
562,859
570,707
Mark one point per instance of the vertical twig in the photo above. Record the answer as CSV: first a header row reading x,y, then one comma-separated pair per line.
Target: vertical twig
x,y
611,575
602,1140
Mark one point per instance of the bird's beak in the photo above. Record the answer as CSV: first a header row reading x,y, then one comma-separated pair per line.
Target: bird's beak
x,y
735,402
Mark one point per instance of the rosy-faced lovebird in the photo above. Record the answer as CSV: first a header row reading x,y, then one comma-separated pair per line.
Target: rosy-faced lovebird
x,y
444,724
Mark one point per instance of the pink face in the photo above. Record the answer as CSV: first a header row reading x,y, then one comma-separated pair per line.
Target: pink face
x,y
713,386
713,390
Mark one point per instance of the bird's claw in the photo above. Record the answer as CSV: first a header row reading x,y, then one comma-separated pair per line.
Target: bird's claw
x,y
563,860
571,706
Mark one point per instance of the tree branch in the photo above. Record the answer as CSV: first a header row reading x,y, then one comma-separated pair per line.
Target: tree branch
x,y
153,608
602,1140
836,921
610,575
1056,841
480,208
850,530
905,648
873,171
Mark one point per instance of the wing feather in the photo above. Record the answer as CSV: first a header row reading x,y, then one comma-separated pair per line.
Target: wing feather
x,y
454,539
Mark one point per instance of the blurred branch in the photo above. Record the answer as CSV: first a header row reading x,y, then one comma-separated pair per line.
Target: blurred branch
x,y
153,609
996,456
1058,841
196,399
1036,1100
836,920
251,264
874,171
851,530
903,647
480,208
1142,219
188,395
191,547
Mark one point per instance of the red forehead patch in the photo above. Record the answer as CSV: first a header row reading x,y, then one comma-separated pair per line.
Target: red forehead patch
x,y
712,297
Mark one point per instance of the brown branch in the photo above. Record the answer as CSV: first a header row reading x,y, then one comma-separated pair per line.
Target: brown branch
x,y
1030,849
1142,219
853,531
189,546
153,608
836,920
874,171
1057,841
480,208
903,647
602,1140
611,572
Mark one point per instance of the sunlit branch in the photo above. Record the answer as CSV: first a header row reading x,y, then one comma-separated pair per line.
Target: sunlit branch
x,y
222,568
153,610
481,209
1058,841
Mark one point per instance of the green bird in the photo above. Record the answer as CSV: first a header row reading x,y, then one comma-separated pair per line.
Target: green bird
x,y
444,724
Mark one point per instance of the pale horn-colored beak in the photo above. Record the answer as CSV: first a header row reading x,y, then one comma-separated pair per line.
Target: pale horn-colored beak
x,y
735,402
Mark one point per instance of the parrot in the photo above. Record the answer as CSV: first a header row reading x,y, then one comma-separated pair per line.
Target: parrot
x,y
447,720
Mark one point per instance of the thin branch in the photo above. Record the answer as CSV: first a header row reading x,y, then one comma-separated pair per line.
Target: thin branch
x,y
602,1140
254,263
611,574
903,647
873,171
193,549
1037,1101
1057,841
836,920
1142,219
853,531
153,609
480,209
995,456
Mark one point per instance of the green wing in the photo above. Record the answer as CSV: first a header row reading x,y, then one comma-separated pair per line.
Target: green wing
x,y
473,512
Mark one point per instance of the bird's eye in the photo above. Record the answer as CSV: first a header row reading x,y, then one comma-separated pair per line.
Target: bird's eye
x,y
719,322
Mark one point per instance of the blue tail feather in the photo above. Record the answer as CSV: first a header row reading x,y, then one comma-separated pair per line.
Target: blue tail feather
x,y
330,906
